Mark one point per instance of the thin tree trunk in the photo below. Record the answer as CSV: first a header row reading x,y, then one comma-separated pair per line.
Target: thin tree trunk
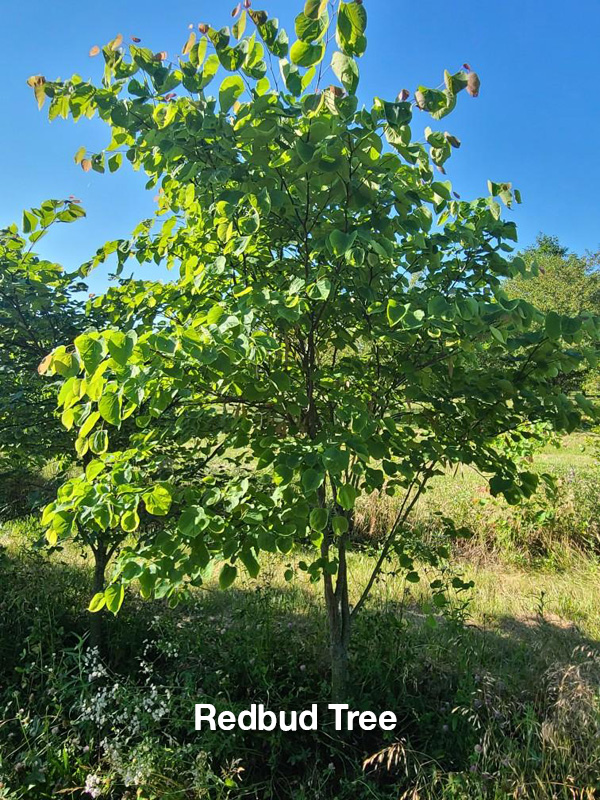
x,y
101,559
338,615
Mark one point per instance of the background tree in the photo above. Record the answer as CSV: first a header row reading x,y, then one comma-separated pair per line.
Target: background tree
x,y
40,308
558,280
564,283
338,325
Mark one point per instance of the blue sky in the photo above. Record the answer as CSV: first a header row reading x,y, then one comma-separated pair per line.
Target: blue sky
x,y
535,122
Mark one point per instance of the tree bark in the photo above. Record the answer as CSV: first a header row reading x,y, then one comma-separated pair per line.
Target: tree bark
x,y
101,559
338,615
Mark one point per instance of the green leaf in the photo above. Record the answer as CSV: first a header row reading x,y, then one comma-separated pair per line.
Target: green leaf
x,y
395,311
193,521
305,54
250,562
89,423
291,76
350,29
227,576
319,290
130,521
120,346
198,52
335,460
30,222
93,469
315,8
158,500
114,595
306,151
90,351
311,480
310,29
232,58
318,519
397,114
97,602
231,88
209,70
114,162
340,525
240,26
345,69
275,38
110,408
497,334
346,496
553,325
99,442
282,474
340,242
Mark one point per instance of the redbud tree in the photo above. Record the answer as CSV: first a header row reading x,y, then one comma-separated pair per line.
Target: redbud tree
x,y
336,325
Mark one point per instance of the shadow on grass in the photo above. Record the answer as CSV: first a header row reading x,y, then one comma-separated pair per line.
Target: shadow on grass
x,y
267,644
43,603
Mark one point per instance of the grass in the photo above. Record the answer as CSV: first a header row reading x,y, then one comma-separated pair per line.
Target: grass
x,y
544,532
497,693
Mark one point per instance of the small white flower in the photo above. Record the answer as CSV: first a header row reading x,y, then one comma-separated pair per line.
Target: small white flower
x,y
93,786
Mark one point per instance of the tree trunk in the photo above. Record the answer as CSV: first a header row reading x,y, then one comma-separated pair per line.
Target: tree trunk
x,y
338,615
96,622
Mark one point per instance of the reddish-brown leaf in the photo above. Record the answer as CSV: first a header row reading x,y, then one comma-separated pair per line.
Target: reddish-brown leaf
x,y
236,10
473,84
44,364
136,39
191,41
86,164
452,140
403,95
94,50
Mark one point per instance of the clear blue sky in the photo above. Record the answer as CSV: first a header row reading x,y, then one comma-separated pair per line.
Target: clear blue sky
x,y
535,122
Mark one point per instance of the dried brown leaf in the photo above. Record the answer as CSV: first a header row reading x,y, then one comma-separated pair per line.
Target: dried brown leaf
x,y
44,365
116,42
473,84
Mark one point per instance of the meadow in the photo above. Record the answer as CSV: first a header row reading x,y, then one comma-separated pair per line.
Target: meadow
x,y
496,692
